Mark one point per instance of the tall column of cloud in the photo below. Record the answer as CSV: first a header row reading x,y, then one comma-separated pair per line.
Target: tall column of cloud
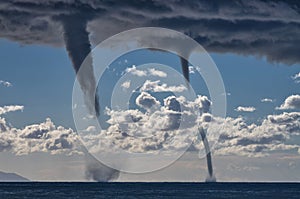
x,y
78,46
211,177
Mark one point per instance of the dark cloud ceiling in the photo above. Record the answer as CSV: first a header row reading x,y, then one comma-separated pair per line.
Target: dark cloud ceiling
x,y
261,28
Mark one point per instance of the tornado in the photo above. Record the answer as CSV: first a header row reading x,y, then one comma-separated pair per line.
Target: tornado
x,y
78,46
185,68
183,61
97,171
211,177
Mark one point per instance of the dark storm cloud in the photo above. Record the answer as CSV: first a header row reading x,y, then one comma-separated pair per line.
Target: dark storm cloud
x,y
261,28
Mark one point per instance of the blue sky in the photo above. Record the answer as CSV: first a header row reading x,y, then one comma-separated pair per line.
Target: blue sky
x,y
250,79
42,79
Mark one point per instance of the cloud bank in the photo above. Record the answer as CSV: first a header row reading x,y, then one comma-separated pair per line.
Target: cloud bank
x,y
261,28
158,131
239,138
43,137
48,138
165,127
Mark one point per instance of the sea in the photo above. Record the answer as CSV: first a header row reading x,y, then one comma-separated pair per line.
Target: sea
x,y
55,190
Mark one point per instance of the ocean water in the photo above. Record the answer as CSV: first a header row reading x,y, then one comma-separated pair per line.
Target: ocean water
x,y
148,190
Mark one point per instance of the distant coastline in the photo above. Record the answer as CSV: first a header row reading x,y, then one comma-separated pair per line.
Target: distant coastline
x,y
12,177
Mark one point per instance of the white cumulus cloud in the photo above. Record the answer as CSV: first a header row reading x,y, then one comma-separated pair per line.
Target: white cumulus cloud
x,y
138,132
296,78
125,85
5,83
156,86
192,70
10,108
147,72
43,137
150,132
133,70
167,128
245,109
239,138
147,101
266,100
155,72
291,102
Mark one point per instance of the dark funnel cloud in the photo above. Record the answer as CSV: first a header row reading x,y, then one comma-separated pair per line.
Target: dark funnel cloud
x,y
185,68
78,46
172,104
211,177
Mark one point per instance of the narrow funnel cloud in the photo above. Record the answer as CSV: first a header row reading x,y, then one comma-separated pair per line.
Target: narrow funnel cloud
x,y
211,177
78,46
184,62
185,68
